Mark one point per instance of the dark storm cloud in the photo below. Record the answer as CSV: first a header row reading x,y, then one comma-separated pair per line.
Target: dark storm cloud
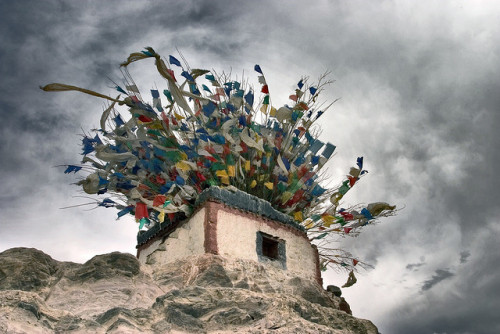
x,y
439,275
468,303
77,43
464,256
414,266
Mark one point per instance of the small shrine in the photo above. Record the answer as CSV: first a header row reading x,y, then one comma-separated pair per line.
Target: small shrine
x,y
234,225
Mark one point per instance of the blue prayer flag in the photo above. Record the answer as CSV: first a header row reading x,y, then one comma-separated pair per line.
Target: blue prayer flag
x,y
317,190
187,76
125,211
118,88
327,152
208,109
174,61
205,88
359,162
118,120
366,213
72,168
107,203
315,146
179,180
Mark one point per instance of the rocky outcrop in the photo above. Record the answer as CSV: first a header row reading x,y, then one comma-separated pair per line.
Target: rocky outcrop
x,y
112,293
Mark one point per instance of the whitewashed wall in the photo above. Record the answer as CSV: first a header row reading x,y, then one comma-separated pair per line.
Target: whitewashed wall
x,y
236,237
185,241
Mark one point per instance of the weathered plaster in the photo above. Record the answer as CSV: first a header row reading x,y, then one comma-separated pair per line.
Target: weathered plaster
x,y
236,237
186,240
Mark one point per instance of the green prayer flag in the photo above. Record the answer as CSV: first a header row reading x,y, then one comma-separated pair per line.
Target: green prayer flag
x,y
230,160
166,92
218,166
266,99
142,222
315,218
344,188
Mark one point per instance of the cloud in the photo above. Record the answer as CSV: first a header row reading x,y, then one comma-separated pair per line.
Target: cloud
x,y
440,275
464,256
414,266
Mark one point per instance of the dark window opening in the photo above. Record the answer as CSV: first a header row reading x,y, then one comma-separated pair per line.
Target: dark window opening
x,y
270,247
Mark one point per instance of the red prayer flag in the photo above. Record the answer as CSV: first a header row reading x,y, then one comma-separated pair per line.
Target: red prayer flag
x,y
160,180
141,211
265,89
145,119
347,215
303,106
159,200
169,71
200,177
352,180
244,147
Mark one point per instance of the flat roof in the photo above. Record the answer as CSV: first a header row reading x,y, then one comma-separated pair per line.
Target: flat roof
x,y
233,198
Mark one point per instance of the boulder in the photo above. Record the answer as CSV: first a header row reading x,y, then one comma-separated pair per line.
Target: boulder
x,y
113,293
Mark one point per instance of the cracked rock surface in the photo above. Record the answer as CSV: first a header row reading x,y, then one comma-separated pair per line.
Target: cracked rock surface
x,y
113,293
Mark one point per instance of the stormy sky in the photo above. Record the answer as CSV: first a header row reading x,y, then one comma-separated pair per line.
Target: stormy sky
x,y
419,90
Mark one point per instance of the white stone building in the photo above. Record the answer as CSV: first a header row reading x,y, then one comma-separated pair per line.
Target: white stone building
x,y
234,225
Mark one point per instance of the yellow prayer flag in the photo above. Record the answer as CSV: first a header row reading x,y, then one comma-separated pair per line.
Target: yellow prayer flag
x,y
231,171
328,220
269,185
182,165
179,117
298,216
263,109
286,196
156,125
225,180
221,173
253,184
310,225
273,112
161,216
247,165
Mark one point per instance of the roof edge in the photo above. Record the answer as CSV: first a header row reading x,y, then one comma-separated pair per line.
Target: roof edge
x,y
233,198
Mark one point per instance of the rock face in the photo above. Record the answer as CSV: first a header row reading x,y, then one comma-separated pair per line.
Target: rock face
x,y
113,293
